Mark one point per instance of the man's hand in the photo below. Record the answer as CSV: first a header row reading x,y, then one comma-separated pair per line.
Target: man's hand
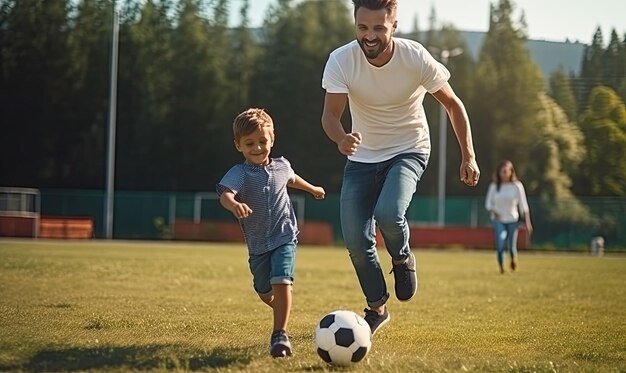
x,y
349,143
469,172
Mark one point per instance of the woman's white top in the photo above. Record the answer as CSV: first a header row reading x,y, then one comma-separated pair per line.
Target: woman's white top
x,y
507,202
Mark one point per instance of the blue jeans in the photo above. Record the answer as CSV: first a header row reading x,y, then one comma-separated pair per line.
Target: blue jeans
x,y
272,268
378,194
506,236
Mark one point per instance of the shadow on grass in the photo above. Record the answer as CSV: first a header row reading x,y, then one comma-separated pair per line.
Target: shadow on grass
x,y
168,357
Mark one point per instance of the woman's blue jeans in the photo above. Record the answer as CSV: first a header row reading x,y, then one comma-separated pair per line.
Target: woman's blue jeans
x,y
506,236
378,194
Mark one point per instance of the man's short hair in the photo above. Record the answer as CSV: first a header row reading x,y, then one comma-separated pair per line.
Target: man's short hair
x,y
390,5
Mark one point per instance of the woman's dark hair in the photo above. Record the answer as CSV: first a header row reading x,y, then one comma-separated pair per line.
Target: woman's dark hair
x,y
498,178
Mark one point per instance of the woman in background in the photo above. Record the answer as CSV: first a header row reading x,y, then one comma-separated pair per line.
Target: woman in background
x,y
507,204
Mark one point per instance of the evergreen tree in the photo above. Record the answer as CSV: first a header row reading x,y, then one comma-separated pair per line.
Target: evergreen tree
x,y
561,91
288,81
35,149
415,33
193,100
243,59
503,113
145,156
603,171
614,65
462,70
591,72
558,143
90,41
622,61
433,25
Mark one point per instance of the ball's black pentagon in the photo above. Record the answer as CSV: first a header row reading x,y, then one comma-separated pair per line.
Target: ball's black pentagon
x,y
359,354
324,355
344,337
327,321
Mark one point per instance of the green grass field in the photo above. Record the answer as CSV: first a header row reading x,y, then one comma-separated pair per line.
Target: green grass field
x,y
94,306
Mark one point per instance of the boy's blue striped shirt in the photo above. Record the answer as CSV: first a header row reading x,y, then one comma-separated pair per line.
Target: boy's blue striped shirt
x,y
264,189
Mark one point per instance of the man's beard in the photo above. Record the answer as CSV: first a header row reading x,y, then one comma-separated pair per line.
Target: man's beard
x,y
373,53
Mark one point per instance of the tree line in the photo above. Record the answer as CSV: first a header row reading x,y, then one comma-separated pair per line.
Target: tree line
x,y
184,74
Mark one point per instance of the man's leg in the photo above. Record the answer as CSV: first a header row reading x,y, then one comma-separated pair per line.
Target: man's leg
x,y
400,182
359,193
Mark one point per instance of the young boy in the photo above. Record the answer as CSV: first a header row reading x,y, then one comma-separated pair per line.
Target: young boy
x,y
256,193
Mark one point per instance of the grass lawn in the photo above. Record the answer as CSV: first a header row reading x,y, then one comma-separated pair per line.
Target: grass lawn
x,y
101,306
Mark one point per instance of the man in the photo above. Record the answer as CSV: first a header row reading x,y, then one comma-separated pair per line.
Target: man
x,y
385,80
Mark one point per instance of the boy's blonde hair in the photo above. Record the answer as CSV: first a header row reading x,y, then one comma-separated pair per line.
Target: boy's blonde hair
x,y
250,120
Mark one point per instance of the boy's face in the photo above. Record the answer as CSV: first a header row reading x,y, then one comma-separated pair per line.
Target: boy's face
x,y
256,146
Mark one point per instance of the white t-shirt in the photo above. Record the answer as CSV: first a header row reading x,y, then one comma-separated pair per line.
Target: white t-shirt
x,y
507,202
386,102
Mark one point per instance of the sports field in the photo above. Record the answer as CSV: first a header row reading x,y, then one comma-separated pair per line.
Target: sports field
x,y
167,307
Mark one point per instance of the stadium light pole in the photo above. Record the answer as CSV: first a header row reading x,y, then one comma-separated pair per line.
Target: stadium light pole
x,y
110,165
444,55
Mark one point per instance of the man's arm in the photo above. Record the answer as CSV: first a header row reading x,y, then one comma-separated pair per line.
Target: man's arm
x,y
334,105
469,172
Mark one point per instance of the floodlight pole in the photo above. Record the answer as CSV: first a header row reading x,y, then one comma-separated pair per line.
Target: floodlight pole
x,y
443,142
110,165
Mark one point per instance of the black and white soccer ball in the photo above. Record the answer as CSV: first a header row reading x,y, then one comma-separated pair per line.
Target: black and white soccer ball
x,y
343,338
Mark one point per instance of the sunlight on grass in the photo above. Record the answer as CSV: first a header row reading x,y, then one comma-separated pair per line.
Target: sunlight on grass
x,y
75,306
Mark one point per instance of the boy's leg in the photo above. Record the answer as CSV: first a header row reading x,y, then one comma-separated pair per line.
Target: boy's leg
x,y
281,279
260,268
281,305
400,182
359,192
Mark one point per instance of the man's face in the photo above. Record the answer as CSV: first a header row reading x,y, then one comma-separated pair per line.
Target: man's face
x,y
374,29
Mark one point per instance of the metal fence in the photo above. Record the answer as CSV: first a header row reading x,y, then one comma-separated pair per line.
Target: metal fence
x,y
145,215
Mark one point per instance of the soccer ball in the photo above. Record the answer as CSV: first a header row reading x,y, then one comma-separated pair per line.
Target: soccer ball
x,y
342,338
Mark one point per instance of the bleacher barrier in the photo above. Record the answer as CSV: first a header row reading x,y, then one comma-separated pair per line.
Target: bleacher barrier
x,y
468,237
311,232
66,227
19,212
161,215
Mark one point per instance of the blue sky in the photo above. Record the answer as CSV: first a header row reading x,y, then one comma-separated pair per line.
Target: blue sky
x,y
555,20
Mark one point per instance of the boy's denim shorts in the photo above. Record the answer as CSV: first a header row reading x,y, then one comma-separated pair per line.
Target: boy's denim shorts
x,y
273,268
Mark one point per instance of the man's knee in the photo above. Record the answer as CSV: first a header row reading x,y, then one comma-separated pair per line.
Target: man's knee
x,y
362,254
387,217
358,240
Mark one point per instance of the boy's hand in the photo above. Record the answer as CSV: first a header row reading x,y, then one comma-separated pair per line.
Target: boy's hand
x,y
318,192
241,210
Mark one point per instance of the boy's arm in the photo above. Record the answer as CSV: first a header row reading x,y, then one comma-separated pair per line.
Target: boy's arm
x,y
300,183
240,210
